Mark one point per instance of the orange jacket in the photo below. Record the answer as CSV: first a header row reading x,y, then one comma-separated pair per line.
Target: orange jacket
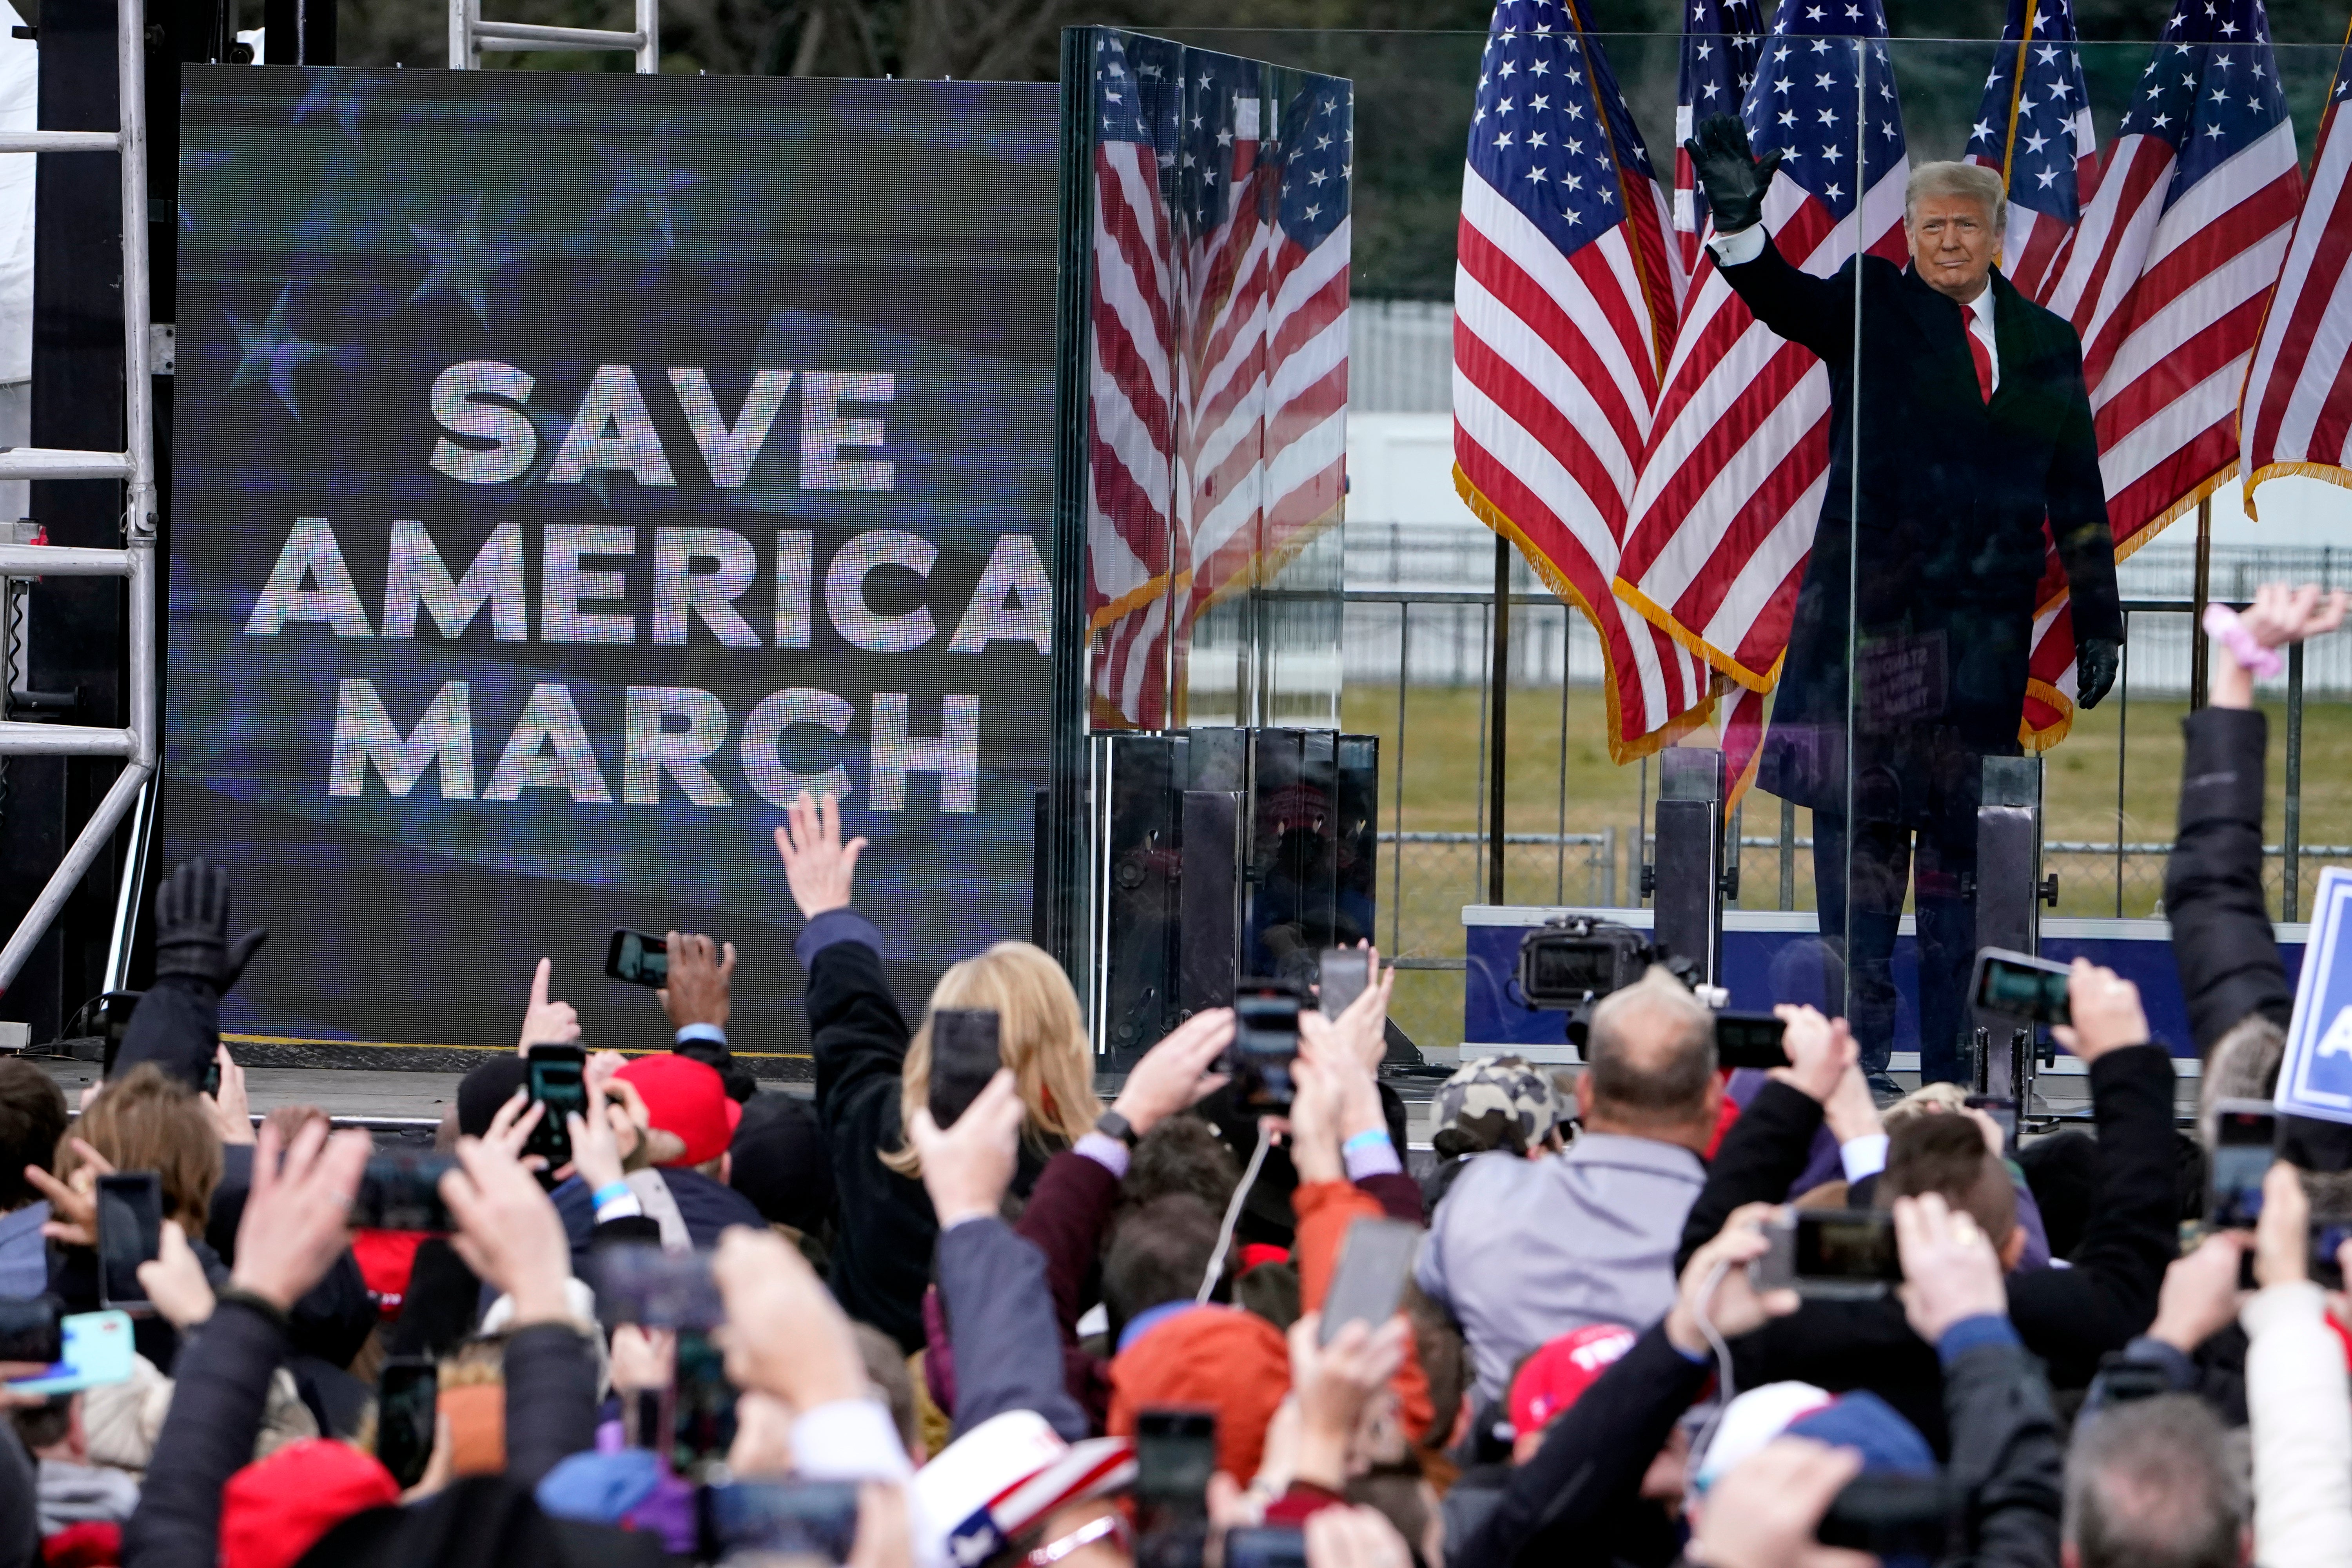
x,y
1325,1210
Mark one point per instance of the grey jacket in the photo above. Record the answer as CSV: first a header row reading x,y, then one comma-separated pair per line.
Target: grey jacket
x,y
1522,1251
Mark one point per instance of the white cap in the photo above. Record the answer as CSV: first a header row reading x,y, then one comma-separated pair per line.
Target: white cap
x,y
1000,1479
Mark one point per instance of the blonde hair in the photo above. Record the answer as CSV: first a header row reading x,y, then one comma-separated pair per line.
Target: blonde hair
x,y
1039,1032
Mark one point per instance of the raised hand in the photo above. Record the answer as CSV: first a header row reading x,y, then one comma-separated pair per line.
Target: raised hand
x,y
2107,1012
1177,1072
296,1215
1819,1050
508,1231
1950,1270
230,1112
192,928
546,1023
784,1334
1734,178
819,867
1764,1512
1715,1288
701,980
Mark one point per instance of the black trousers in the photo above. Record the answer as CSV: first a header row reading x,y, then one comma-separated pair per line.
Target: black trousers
x,y
1860,916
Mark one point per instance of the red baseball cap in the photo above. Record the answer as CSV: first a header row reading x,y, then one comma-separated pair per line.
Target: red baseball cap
x,y
1556,1375
688,1099
275,1509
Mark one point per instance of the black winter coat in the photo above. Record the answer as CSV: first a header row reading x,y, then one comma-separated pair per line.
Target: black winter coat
x,y
882,1258
2068,1317
2223,943
1947,545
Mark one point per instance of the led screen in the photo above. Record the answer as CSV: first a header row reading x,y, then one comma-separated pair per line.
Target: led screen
x,y
567,470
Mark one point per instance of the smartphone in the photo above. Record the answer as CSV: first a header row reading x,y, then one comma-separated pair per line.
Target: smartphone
x,y
1342,976
1266,1546
638,1282
212,1078
97,1351
1265,1042
130,1229
777,1521
1893,1516
403,1192
1374,1259
2245,1144
1750,1040
702,1407
406,1399
2122,1380
1175,1454
557,1078
637,958
1830,1254
2019,985
29,1329
964,1056
2004,1116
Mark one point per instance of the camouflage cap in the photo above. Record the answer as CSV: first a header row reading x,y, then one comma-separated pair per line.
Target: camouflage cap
x,y
1498,1102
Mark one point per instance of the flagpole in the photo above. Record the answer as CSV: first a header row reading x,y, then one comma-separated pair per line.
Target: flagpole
x,y
1500,687
2204,593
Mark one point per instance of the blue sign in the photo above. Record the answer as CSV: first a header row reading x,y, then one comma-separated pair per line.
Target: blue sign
x,y
2317,1078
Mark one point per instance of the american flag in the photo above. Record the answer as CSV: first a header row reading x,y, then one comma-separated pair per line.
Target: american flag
x,y
2035,127
1738,455
1565,295
1131,377
1720,40
1218,375
2166,284
2296,414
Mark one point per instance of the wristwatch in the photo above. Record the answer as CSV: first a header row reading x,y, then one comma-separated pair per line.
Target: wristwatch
x,y
1114,1125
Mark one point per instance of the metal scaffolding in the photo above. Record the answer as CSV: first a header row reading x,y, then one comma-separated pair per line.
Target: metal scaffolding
x,y
136,744
471,34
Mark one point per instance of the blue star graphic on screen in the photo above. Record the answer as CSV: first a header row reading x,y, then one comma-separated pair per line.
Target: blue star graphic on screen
x,y
1551,131
332,95
645,176
460,262
2210,90
273,351
1824,95
2040,114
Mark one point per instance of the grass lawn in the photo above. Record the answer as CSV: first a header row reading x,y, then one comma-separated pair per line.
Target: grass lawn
x,y
1443,790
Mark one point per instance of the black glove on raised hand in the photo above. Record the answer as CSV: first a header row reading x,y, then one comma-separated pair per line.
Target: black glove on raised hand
x,y
192,928
2095,668
1735,180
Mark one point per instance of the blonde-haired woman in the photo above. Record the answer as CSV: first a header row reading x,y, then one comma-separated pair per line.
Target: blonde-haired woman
x,y
873,1073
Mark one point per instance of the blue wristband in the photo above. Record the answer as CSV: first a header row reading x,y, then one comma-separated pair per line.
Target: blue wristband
x,y
611,1193
1366,1139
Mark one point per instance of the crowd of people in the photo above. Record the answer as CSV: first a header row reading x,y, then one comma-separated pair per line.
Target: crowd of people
x,y
1061,1334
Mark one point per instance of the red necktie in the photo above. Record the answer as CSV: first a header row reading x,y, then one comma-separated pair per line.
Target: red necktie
x,y
1978,353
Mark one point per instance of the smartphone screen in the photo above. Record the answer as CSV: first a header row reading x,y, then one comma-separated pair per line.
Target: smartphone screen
x,y
2245,1139
702,1419
1175,1454
779,1521
557,1081
1265,1042
403,1192
2019,985
130,1229
1370,1281
638,958
405,1401
30,1330
964,1056
1345,972
1847,1245
1750,1040
97,1352
639,1282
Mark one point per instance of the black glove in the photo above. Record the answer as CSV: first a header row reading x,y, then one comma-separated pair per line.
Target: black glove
x,y
1735,180
2095,668
192,928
